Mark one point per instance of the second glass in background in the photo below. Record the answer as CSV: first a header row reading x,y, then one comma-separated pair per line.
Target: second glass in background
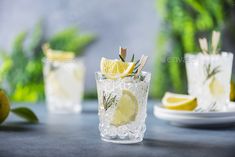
x,y
64,85
209,78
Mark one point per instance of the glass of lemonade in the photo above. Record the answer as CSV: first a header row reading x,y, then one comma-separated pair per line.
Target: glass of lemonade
x,y
122,108
64,81
209,77
64,85
122,103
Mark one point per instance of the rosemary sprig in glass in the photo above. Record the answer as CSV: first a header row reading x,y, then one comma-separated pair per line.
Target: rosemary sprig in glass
x,y
108,100
211,72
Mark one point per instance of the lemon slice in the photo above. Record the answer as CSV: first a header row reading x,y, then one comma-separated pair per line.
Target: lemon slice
x,y
60,56
127,108
216,88
57,55
4,106
179,101
114,69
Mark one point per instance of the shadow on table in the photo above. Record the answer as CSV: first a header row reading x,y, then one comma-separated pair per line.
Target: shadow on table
x,y
171,144
210,127
89,112
16,127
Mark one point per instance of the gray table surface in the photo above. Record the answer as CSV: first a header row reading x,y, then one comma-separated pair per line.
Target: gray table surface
x,y
78,136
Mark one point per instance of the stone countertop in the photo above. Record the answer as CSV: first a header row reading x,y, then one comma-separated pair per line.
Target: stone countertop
x,y
77,135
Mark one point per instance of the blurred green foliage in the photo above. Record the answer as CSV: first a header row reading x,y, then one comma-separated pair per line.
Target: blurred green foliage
x,y
21,70
71,40
184,21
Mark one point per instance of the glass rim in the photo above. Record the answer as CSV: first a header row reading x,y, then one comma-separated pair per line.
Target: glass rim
x,y
223,54
100,76
145,72
189,57
76,59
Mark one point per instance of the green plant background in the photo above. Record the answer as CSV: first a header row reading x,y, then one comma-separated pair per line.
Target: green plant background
x,y
21,72
184,21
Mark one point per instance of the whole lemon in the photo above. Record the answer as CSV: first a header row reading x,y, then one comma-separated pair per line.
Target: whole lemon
x,y
232,91
4,106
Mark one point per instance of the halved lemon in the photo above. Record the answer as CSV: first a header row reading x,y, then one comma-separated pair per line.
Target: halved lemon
x,y
114,69
232,91
127,109
174,101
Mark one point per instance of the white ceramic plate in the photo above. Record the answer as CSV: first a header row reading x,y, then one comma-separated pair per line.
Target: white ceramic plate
x,y
230,112
193,119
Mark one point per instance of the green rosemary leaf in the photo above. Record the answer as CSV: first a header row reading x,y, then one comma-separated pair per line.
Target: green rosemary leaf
x,y
217,69
211,72
135,69
137,66
133,58
108,100
137,62
108,97
113,98
121,58
142,77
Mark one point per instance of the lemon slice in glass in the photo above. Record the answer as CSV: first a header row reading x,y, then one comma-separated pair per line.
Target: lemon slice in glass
x,y
127,109
216,88
114,69
179,101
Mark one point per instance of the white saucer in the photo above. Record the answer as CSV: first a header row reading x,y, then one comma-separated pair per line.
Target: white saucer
x,y
195,119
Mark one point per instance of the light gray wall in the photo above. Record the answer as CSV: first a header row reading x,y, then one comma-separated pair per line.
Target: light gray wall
x,y
129,23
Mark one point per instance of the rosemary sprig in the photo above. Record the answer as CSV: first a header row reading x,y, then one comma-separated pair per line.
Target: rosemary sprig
x,y
108,100
210,72
137,65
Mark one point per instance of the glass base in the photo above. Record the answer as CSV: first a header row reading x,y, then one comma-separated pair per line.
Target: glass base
x,y
64,110
120,141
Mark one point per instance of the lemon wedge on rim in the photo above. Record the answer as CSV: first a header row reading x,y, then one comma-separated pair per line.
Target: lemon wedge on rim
x,y
127,109
60,56
57,55
174,101
114,69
